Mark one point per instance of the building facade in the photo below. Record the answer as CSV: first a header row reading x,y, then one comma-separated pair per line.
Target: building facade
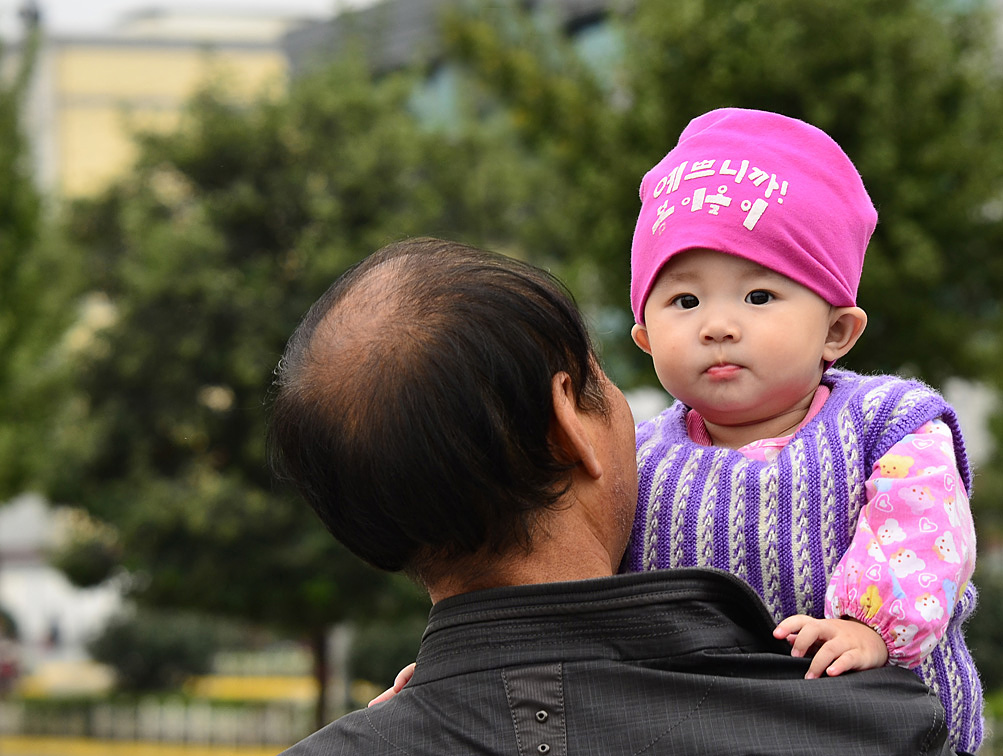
x,y
90,94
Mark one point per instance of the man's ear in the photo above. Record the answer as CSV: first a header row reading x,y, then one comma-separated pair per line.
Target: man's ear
x,y
568,432
845,326
640,336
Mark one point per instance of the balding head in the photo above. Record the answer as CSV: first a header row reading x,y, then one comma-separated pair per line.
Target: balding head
x,y
413,403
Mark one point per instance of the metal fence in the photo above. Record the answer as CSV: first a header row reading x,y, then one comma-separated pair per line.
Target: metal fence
x,y
198,722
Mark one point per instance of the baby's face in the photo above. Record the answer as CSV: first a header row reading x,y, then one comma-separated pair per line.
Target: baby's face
x,y
739,343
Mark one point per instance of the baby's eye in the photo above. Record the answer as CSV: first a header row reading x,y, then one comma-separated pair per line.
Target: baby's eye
x,y
686,301
758,297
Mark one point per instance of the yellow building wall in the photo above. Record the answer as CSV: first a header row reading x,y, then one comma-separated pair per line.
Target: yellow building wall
x,y
103,94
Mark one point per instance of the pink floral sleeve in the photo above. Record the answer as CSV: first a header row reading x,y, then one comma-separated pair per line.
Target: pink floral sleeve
x,y
914,548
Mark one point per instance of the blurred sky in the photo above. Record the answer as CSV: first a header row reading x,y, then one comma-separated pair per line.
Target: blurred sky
x,y
93,16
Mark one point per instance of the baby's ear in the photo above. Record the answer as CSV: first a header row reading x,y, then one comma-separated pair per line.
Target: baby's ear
x,y
845,326
640,336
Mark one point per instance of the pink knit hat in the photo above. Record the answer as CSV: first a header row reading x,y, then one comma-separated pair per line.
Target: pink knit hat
x,y
761,186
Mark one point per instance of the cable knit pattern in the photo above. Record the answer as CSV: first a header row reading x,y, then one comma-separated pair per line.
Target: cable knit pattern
x,y
782,526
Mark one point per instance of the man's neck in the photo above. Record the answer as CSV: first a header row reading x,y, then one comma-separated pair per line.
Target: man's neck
x,y
563,551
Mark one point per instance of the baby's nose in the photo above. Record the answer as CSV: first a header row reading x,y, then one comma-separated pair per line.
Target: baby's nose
x,y
720,328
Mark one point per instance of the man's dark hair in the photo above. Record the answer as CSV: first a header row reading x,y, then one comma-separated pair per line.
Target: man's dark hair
x,y
413,402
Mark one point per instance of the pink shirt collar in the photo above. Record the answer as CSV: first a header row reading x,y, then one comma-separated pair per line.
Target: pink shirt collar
x,y
697,431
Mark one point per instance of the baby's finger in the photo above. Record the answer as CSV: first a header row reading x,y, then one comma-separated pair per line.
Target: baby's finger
x,y
384,696
790,626
404,677
826,658
849,660
842,663
805,640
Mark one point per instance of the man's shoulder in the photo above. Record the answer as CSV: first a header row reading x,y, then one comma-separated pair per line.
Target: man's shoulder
x,y
350,735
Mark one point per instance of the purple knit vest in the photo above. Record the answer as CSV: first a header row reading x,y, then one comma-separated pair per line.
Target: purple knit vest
x,y
782,526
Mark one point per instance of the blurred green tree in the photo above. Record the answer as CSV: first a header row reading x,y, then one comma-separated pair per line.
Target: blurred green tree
x,y
37,293
381,648
982,631
910,89
154,651
202,261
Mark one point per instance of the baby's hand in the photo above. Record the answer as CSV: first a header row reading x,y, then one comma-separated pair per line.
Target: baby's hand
x,y
839,645
399,682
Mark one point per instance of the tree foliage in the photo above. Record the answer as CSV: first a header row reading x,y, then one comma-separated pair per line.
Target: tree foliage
x,y
38,290
155,651
382,648
910,89
206,256
202,260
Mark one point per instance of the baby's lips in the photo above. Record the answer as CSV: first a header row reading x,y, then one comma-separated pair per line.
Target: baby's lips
x,y
723,372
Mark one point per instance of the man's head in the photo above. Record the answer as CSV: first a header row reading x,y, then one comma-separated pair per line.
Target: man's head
x,y
761,186
415,403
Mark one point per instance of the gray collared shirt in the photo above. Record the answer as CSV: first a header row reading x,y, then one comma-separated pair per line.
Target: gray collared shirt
x,y
664,662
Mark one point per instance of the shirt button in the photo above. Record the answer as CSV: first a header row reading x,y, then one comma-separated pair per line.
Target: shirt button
x,y
541,716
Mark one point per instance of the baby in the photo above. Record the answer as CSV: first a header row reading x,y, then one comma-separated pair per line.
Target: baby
x,y
842,499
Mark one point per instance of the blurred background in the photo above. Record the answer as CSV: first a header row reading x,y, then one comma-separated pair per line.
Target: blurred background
x,y
179,183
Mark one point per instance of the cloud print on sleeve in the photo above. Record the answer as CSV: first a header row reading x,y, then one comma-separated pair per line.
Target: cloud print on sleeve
x,y
946,549
929,607
904,562
891,531
919,498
